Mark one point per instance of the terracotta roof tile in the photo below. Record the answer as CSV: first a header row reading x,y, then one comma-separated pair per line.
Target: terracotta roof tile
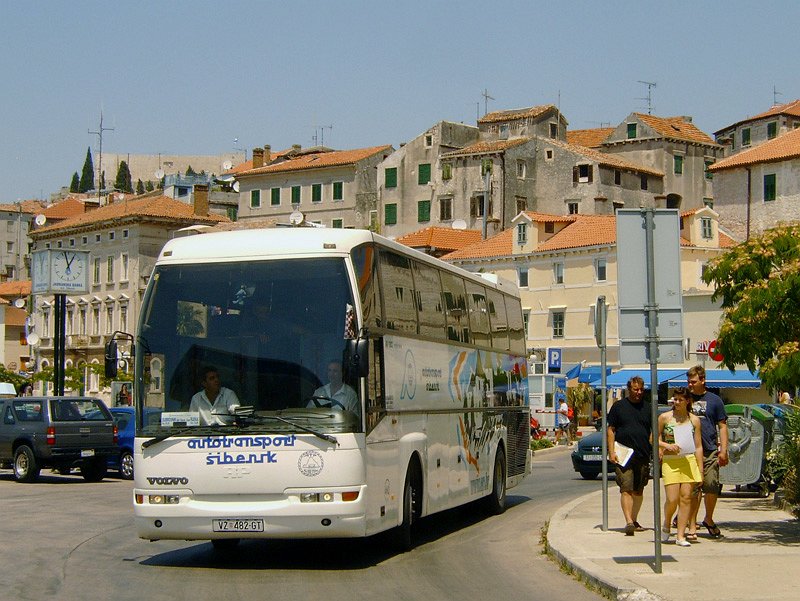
x,y
486,146
15,288
30,207
442,238
69,207
531,111
591,138
151,207
790,108
782,148
676,128
318,160
547,217
496,246
607,159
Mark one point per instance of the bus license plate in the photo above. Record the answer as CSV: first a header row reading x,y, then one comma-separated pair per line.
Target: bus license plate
x,y
592,457
87,453
251,525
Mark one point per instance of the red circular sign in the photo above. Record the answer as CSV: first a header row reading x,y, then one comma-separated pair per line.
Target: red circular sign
x,y
713,352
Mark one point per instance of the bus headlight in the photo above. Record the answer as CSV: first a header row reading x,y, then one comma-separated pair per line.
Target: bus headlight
x,y
163,499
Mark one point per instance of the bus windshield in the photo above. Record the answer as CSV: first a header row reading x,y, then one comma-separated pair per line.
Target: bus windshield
x,y
274,331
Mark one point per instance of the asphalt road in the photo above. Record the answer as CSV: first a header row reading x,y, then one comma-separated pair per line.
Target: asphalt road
x,y
63,538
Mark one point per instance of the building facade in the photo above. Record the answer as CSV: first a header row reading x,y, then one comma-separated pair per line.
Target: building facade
x,y
749,133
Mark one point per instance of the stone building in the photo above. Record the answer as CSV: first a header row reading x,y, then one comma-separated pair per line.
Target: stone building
x,y
766,126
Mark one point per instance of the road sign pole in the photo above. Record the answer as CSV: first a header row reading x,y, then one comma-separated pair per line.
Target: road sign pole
x,y
600,314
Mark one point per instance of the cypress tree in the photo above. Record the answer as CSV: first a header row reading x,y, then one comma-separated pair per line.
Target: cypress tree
x,y
87,175
190,171
123,181
139,187
75,186
149,186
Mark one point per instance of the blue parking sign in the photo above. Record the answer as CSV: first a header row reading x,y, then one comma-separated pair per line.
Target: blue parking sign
x,y
554,360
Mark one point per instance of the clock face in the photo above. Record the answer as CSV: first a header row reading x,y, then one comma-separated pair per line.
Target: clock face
x,y
68,266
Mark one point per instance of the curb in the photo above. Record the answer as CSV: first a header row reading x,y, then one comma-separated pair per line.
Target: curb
x,y
558,548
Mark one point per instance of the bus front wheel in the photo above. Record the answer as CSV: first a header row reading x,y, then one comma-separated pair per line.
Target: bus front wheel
x,y
496,501
404,533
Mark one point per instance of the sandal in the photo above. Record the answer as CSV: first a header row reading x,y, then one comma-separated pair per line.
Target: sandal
x,y
638,527
713,529
692,538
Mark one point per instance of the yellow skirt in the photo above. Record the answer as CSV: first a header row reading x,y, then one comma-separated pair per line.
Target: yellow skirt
x,y
680,468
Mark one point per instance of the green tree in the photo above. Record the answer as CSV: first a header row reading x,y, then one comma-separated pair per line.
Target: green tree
x,y
75,186
103,180
123,181
758,283
149,186
140,187
190,171
87,175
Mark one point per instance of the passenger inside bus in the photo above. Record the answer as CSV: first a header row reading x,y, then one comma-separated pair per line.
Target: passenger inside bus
x,y
335,394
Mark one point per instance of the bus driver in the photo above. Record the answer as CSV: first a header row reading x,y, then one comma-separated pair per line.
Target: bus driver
x,y
336,394
215,402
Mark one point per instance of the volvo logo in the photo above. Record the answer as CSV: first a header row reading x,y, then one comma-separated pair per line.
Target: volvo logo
x,y
168,481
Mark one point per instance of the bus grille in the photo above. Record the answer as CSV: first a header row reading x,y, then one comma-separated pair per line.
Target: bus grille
x,y
518,428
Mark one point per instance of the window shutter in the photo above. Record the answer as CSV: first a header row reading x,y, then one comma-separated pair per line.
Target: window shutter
x,y
575,175
391,177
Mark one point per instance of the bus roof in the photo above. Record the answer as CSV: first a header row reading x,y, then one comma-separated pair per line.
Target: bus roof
x,y
298,241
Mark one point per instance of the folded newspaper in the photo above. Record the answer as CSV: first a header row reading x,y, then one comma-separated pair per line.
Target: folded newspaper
x,y
624,454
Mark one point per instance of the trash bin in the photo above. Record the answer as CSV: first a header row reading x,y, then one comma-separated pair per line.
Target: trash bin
x,y
749,439
780,413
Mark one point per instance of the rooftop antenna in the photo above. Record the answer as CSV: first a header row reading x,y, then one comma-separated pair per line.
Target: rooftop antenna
x,y
99,134
600,123
775,94
650,85
321,129
240,149
486,99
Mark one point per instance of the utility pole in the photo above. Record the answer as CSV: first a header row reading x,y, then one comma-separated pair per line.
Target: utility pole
x,y
486,99
775,94
99,134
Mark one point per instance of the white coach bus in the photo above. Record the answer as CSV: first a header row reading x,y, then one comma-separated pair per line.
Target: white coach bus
x,y
434,380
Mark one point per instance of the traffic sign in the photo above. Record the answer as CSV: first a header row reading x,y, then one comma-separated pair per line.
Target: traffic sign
x,y
714,353
553,360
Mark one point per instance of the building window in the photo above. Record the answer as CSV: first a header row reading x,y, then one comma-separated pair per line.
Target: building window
x,y
522,277
9,247
85,240
96,272
631,130
522,233
424,173
72,241
476,206
123,318
255,199
503,131
770,187
558,324
521,203
707,163
447,171
677,164
316,192
124,266
582,174
548,154
338,191
96,320
558,273
554,130
423,211
295,195
337,223
428,140
125,233
109,319
390,214
82,321
549,227
643,181
521,169
772,130
110,270
110,235
390,177
600,270
572,208
746,136
526,320
445,209
617,177
97,237
705,224
486,166
275,197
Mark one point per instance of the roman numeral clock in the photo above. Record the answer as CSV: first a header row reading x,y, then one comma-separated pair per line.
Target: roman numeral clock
x,y
57,271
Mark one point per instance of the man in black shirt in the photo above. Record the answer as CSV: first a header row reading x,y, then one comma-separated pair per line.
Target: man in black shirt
x,y
629,424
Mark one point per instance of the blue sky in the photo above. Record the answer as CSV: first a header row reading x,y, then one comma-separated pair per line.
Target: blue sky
x,y
191,77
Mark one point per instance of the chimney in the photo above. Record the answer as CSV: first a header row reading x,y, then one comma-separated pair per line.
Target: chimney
x,y
296,148
258,158
201,200
267,154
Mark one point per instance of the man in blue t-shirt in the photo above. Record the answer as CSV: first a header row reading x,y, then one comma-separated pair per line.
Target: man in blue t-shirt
x,y
711,410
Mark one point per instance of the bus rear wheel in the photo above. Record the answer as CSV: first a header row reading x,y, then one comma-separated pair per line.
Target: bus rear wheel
x,y
496,501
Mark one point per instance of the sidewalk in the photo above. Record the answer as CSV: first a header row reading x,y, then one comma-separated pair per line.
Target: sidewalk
x,y
754,561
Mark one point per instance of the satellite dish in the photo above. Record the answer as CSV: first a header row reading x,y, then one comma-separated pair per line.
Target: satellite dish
x,y
227,165
40,220
236,186
33,338
296,218
459,224
19,303
159,173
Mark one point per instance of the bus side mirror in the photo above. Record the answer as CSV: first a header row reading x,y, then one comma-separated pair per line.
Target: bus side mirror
x,y
357,357
111,359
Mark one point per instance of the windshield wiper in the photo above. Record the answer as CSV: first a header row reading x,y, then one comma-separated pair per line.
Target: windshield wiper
x,y
178,432
322,435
